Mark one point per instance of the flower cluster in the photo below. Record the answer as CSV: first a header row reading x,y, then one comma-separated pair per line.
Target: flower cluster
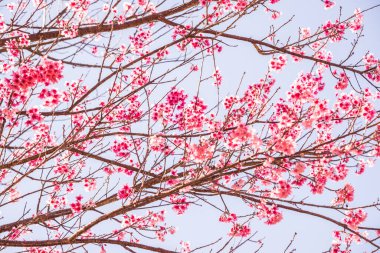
x,y
157,143
372,65
283,190
201,152
217,78
192,117
334,31
89,184
123,146
228,217
47,72
241,135
305,88
51,97
180,203
77,206
239,230
277,63
342,82
124,192
3,25
354,218
346,194
57,202
270,213
79,7
175,100
329,4
357,23
140,40
139,77
185,247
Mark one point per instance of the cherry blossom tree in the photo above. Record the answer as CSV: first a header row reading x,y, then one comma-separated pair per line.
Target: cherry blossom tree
x,y
114,118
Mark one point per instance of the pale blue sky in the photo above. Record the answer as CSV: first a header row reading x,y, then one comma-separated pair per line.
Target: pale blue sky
x,y
200,225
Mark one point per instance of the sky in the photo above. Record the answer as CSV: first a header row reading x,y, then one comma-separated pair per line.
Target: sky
x,y
199,225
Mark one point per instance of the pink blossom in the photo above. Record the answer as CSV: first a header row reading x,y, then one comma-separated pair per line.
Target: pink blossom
x,y
89,184
124,192
297,51
217,78
57,202
286,146
201,152
277,63
329,4
48,72
185,247
354,218
305,33
77,206
157,143
299,168
228,218
3,25
241,5
283,189
269,212
14,194
334,31
357,23
372,65
346,194
241,135
238,230
180,204
343,81
276,14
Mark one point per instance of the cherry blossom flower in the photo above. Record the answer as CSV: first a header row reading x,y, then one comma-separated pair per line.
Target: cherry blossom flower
x,y
89,184
270,213
346,194
217,78
77,206
185,247
283,190
277,63
238,230
228,218
124,192
334,31
57,202
354,218
241,135
357,23
373,66
3,25
180,204
329,4
343,81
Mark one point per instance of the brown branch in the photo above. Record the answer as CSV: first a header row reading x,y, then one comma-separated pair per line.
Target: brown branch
x,y
108,161
94,29
60,242
256,42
